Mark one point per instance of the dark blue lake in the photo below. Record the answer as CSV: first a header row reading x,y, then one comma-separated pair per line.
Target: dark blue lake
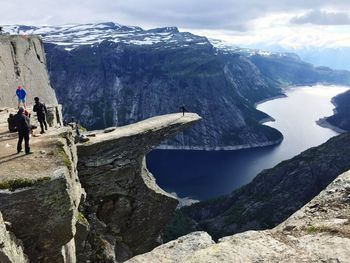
x,y
205,174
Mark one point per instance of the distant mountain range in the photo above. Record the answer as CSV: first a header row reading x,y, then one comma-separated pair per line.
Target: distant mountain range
x,y
109,74
333,57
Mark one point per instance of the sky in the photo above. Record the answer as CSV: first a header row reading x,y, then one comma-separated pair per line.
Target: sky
x,y
289,23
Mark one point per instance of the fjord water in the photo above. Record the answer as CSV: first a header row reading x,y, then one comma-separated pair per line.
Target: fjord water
x,y
205,174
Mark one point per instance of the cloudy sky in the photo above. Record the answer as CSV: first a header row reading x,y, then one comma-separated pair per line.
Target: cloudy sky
x,y
291,23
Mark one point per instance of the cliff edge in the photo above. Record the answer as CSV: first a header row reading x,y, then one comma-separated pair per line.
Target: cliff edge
x,y
69,202
94,201
125,209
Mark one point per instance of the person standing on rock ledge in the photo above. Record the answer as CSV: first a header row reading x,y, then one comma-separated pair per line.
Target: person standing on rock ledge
x,y
183,109
22,123
21,95
41,111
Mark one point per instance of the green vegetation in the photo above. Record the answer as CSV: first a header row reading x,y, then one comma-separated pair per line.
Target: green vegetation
x,y
321,229
82,219
98,245
14,184
179,225
82,128
66,160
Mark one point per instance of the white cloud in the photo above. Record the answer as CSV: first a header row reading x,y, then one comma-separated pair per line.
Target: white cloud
x,y
320,17
241,22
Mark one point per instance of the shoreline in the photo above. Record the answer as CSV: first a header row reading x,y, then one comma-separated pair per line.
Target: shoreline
x,y
325,124
220,148
322,122
280,96
267,119
235,147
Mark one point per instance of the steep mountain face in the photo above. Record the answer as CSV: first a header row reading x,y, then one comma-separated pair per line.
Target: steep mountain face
x,y
275,193
124,84
109,74
18,57
341,118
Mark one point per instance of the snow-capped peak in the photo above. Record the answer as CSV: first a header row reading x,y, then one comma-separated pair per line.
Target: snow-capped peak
x,y
74,35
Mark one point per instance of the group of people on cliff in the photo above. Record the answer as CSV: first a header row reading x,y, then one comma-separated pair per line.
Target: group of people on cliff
x,y
21,123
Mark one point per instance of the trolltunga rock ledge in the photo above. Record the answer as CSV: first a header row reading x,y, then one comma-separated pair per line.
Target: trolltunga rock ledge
x,y
125,210
143,135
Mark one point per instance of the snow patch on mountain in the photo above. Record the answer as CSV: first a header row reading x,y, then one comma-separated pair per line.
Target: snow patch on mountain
x,y
75,35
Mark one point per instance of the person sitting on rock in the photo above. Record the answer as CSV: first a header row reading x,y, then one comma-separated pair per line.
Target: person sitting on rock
x,y
21,95
22,123
11,124
41,111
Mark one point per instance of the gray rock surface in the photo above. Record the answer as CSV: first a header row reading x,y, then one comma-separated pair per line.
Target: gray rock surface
x,y
23,62
42,208
125,209
319,232
11,250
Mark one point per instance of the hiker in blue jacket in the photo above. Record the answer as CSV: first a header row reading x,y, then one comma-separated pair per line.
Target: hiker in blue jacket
x,y
21,95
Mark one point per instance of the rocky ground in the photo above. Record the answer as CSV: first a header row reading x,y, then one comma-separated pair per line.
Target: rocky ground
x,y
319,232
21,166
51,218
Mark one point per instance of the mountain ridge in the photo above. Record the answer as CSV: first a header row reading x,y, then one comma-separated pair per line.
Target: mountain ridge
x,y
120,74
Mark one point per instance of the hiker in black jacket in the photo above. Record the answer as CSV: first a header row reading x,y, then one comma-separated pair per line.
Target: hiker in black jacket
x,y
22,123
41,111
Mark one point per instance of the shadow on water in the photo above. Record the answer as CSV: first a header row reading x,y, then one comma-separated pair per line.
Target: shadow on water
x,y
206,174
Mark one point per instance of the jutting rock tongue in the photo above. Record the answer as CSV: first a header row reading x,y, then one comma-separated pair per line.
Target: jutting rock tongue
x,y
125,209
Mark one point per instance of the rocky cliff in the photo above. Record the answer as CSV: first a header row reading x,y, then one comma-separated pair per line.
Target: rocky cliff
x,y
318,232
23,62
11,249
122,83
92,201
109,74
40,194
275,193
124,208
88,202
